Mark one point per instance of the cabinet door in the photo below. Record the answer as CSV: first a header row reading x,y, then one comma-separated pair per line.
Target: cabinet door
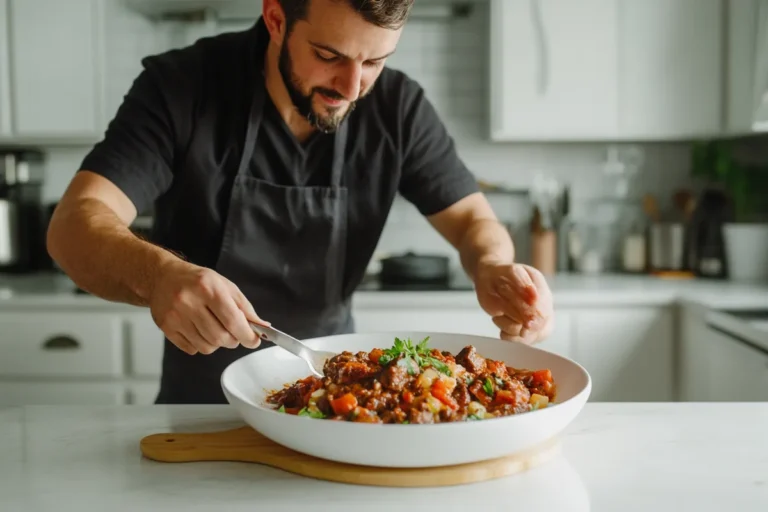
x,y
56,65
554,70
737,372
463,321
14,394
628,352
5,73
670,68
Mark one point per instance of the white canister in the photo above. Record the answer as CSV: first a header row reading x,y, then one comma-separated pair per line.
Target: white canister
x,y
746,247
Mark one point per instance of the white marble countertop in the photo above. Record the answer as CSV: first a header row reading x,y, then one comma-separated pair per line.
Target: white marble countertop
x,y
569,290
627,457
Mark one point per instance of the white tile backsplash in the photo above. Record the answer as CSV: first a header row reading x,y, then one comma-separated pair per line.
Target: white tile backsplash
x,y
449,58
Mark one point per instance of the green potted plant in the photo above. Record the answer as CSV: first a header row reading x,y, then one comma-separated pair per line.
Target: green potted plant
x,y
740,168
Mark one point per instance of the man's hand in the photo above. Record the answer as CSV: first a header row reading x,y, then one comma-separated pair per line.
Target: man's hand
x,y
518,299
201,311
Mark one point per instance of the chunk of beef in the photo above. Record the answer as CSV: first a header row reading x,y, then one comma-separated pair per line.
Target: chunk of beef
x,y
477,389
346,368
394,377
497,368
471,360
461,394
297,394
416,416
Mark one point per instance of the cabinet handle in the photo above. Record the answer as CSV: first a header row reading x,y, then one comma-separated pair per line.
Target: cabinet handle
x,y
537,18
61,343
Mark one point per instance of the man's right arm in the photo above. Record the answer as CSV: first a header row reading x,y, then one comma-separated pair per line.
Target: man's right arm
x,y
90,240
89,236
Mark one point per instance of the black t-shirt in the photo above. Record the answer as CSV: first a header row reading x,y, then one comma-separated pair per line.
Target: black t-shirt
x,y
176,141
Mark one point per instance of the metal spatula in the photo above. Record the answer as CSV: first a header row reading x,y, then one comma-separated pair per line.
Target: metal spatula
x,y
314,358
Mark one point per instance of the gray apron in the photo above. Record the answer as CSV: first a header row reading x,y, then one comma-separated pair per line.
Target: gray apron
x,y
284,247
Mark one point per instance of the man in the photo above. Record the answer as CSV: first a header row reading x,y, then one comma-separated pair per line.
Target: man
x,y
272,157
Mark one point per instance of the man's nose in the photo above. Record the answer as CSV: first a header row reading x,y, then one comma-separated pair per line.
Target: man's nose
x,y
348,82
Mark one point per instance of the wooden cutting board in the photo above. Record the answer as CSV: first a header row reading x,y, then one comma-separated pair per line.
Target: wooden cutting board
x,y
244,444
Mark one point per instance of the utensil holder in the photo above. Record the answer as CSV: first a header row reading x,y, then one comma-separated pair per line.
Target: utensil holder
x,y
544,251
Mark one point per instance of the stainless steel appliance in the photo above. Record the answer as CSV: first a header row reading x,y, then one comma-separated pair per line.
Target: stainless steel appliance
x,y
22,215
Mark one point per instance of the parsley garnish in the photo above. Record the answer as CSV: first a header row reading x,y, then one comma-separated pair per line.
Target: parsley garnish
x,y
281,409
413,357
488,386
311,414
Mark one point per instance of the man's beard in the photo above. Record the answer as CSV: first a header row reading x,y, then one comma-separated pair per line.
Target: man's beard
x,y
326,123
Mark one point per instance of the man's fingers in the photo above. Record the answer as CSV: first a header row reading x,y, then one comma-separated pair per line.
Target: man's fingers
x,y
253,340
525,285
181,341
507,324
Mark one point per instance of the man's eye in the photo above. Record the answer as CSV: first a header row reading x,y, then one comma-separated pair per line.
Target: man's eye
x,y
325,58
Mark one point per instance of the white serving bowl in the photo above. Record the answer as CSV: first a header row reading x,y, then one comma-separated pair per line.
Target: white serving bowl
x,y
247,381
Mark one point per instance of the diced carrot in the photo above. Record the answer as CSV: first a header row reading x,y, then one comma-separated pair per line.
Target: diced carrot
x,y
505,396
407,397
542,377
344,404
440,391
375,355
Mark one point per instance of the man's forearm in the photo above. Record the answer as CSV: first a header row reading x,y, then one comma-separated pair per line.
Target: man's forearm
x,y
485,241
102,256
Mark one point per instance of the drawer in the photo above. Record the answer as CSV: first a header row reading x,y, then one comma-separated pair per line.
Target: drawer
x,y
143,392
145,345
61,344
13,394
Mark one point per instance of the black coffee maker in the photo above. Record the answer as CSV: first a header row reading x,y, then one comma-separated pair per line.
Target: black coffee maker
x,y
22,215
705,243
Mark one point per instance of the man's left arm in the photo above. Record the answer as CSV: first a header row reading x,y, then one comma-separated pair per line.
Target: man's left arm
x,y
438,183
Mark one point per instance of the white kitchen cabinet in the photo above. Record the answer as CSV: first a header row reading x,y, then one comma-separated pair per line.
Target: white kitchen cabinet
x,y
629,352
670,68
61,344
5,73
56,68
737,372
464,320
61,393
747,63
145,344
605,70
143,392
554,69
718,364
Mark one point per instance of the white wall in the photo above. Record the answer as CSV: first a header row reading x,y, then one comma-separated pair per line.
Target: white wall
x,y
449,59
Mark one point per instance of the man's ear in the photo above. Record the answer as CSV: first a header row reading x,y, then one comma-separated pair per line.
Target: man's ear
x,y
274,19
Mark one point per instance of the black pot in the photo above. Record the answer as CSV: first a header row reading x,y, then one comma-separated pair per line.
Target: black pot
x,y
414,268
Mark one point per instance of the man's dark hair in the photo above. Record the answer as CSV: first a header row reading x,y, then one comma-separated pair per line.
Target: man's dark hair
x,y
391,14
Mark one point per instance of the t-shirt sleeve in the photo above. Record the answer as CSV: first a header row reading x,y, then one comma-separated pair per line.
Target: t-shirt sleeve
x,y
137,151
433,175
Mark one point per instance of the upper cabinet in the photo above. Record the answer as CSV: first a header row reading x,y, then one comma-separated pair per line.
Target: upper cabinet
x,y
554,69
5,76
51,70
747,67
606,69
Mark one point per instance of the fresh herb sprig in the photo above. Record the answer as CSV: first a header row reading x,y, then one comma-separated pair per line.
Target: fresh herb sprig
x,y
414,357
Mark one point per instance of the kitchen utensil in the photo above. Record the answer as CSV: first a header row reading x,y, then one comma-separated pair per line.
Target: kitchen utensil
x,y
651,208
667,244
315,359
411,268
244,444
544,252
9,233
707,255
247,381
